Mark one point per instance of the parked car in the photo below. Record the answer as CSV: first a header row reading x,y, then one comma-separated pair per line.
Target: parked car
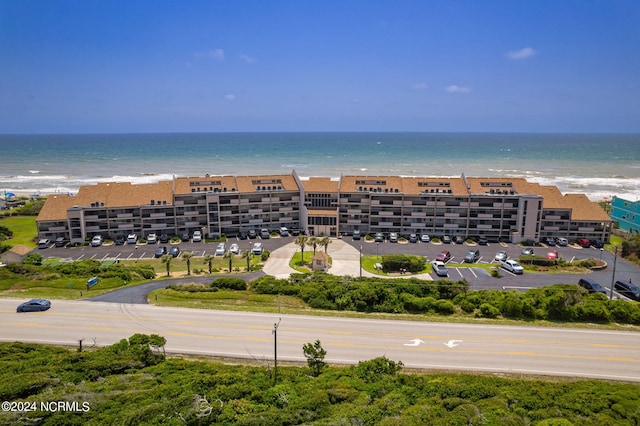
x,y
440,268
284,232
379,237
161,251
591,286
446,239
197,236
44,243
185,237
257,249
132,239
221,249
472,256
234,248
628,289
393,237
264,234
120,240
562,242
242,235
34,305
356,235
413,238
61,242
96,241
443,256
501,256
164,238
294,231
583,242
483,241
252,234
553,254
550,241
527,251
512,266
597,243
425,238
458,239
174,251
152,238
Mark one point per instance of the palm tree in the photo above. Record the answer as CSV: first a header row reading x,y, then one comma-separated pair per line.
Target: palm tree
x,y
313,242
167,258
186,256
247,255
208,260
229,255
324,242
301,240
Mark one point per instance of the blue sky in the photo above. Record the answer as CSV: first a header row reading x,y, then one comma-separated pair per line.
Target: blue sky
x,y
91,66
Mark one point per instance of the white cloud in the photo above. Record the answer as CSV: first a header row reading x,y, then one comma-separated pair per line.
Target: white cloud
x,y
523,53
457,89
214,53
230,97
248,59
419,86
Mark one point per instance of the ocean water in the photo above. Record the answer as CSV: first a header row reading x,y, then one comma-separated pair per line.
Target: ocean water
x,y
599,165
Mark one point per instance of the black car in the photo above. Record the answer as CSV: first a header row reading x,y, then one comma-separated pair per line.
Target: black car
x,y
120,240
627,289
591,286
61,242
164,238
379,237
242,235
185,237
597,244
174,251
550,241
483,241
160,251
34,305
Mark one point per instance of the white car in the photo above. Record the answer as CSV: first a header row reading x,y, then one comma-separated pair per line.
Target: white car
x,y
501,256
152,238
257,249
512,266
221,249
393,237
197,236
132,239
440,268
284,232
425,238
234,249
96,241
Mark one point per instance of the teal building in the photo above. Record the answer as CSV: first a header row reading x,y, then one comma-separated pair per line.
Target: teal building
x,y
626,213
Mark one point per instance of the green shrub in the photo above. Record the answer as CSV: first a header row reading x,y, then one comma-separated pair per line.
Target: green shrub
x,y
230,283
488,311
444,307
397,262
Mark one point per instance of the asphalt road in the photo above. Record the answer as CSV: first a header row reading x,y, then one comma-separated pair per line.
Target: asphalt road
x,y
547,351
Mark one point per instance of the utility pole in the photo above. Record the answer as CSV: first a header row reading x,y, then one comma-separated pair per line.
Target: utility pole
x,y
275,350
613,275
360,260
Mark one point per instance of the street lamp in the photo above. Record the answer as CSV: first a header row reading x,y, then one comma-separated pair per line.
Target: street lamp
x,y
613,275
275,350
377,246
360,260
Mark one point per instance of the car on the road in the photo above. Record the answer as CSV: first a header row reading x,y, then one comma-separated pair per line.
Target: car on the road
x,y
160,251
96,241
440,268
197,236
413,238
61,242
264,234
356,235
443,256
550,241
152,238
34,305
393,237
512,266
379,237
446,239
583,242
472,256
44,243
553,254
221,249
628,289
501,256
591,286
184,237
425,238
252,234
234,248
527,251
164,238
562,242
132,239
257,249
174,251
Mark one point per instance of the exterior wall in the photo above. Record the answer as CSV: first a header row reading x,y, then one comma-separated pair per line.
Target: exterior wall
x,y
627,214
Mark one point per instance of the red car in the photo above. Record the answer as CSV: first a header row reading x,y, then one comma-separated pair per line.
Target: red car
x,y
444,256
553,254
583,242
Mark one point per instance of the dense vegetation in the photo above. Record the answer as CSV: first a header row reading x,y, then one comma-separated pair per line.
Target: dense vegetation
x,y
132,383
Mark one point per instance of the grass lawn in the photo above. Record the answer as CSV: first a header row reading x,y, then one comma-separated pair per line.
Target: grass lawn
x,y
23,228
299,265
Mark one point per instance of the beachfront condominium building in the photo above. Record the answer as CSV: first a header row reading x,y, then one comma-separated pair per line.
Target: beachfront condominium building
x,y
627,214
507,209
